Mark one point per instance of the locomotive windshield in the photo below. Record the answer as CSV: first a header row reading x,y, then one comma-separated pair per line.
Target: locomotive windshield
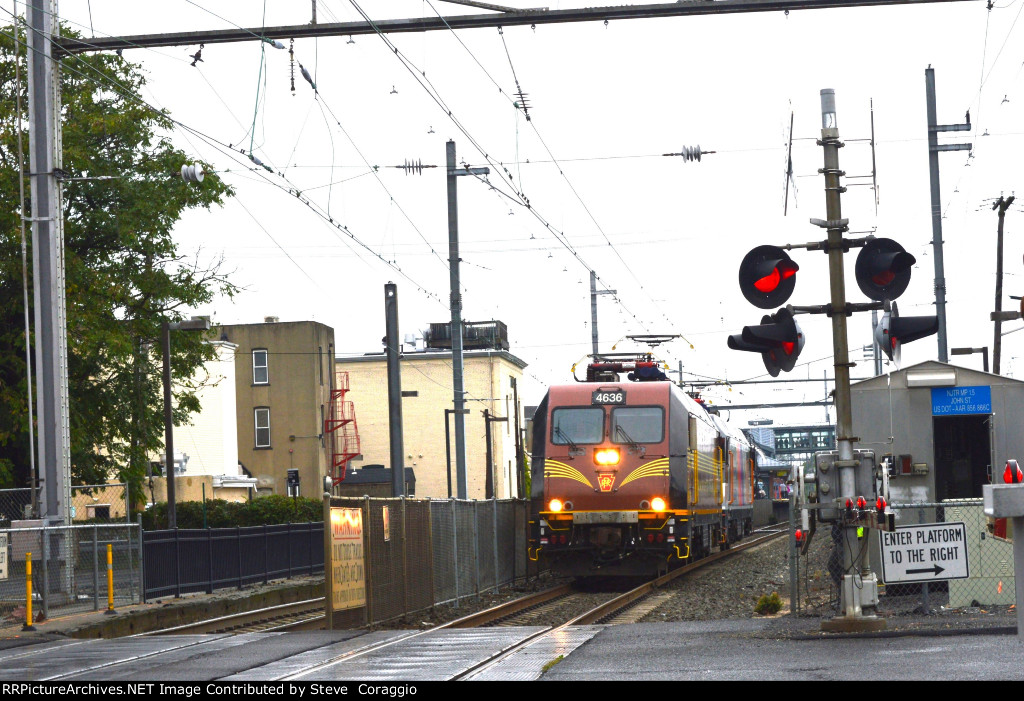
x,y
638,424
574,426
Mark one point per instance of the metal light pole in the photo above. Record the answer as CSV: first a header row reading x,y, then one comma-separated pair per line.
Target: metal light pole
x,y
933,171
456,309
194,324
1002,204
967,351
392,343
593,309
491,488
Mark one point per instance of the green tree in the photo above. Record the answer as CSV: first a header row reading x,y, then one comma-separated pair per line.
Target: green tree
x,y
124,273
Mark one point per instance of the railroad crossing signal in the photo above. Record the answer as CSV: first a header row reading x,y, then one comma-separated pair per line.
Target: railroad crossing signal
x,y
895,330
883,269
767,276
777,338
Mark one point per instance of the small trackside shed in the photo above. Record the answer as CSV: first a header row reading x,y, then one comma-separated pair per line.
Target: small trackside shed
x,y
946,427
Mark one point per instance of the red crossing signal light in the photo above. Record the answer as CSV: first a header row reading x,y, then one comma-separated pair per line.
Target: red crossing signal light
x,y
777,338
767,276
883,269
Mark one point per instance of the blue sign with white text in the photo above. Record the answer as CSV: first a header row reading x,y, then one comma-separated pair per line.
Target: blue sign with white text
x,y
956,401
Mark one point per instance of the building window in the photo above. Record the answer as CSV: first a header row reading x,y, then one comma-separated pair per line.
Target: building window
x,y
262,415
260,371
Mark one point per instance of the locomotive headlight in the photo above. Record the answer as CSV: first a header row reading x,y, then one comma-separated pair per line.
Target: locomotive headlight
x,y
606,456
555,505
658,504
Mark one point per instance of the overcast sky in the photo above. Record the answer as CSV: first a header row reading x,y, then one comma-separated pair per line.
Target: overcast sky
x,y
605,103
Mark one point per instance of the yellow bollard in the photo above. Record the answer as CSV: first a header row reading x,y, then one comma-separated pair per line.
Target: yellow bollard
x,y
110,579
28,593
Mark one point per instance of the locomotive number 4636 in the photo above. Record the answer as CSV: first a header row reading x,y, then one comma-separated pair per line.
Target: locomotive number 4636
x,y
608,397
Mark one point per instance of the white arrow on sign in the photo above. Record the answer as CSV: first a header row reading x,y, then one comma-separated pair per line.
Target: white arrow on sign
x,y
927,552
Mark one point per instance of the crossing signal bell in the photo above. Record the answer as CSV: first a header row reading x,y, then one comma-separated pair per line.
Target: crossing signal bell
x,y
883,269
767,276
895,330
777,338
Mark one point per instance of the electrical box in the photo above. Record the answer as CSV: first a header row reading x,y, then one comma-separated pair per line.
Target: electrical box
x,y
828,480
293,483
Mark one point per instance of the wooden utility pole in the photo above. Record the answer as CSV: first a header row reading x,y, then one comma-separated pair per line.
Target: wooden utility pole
x,y
1002,204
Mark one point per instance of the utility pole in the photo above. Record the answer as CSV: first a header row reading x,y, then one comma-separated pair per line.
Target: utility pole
x,y
53,439
859,587
933,170
391,347
520,467
593,309
1002,204
456,309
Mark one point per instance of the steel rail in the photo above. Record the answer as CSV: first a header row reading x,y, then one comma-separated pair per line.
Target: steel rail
x,y
598,613
242,619
481,618
607,609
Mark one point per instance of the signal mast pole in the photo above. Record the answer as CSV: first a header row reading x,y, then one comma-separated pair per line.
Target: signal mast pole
x,y
856,596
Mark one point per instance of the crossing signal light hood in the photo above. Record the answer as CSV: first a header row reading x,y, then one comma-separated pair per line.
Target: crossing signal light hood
x,y
883,269
767,276
894,330
777,338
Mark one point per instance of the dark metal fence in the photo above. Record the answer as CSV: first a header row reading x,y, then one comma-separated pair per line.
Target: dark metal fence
x,y
182,561
429,552
69,571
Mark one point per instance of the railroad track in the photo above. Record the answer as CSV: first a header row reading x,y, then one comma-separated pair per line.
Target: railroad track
x,y
628,607
300,615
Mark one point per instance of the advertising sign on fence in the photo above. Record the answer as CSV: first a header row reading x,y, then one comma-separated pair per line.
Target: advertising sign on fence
x,y
348,570
3,556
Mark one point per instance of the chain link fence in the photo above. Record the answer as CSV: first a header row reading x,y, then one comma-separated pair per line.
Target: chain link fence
x,y
989,561
69,569
96,503
422,553
989,558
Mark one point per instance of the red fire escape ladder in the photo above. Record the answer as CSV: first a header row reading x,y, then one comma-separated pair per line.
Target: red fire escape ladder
x,y
340,426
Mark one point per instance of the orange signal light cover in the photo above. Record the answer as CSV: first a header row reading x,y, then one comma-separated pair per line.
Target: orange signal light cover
x,y
658,504
555,505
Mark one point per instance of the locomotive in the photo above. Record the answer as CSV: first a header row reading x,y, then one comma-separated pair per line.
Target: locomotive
x,y
634,478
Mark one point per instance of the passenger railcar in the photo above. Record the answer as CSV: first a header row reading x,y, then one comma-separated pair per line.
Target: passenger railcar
x,y
633,478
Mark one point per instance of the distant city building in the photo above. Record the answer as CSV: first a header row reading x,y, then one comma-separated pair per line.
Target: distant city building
x,y
283,378
781,448
206,449
489,371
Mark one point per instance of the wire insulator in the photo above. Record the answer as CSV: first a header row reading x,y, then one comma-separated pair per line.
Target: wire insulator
x,y
690,153
291,60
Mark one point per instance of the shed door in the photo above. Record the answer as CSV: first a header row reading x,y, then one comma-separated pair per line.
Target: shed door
x,y
962,455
